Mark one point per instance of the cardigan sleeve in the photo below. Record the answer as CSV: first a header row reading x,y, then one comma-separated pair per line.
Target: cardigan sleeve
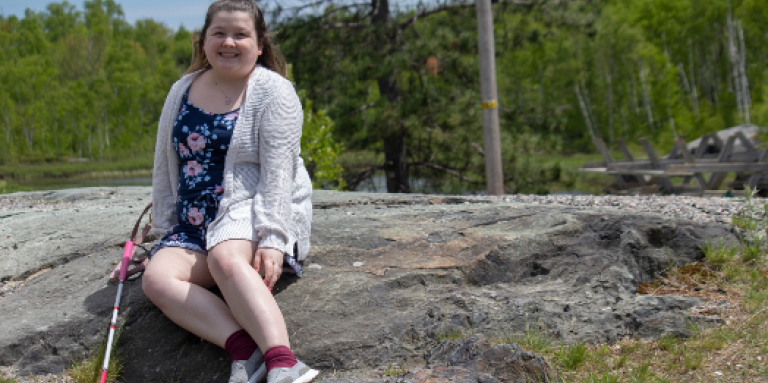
x,y
279,146
163,199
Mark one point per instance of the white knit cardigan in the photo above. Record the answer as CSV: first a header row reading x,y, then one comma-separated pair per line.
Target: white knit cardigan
x,y
267,189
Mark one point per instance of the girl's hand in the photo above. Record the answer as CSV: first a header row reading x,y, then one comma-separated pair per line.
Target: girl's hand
x,y
269,262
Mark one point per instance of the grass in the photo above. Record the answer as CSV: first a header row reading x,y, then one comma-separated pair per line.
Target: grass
x,y
534,339
37,176
88,370
11,188
571,357
736,351
451,335
27,172
394,371
570,179
85,370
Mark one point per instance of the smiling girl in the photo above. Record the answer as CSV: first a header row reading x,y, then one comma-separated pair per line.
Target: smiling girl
x,y
239,216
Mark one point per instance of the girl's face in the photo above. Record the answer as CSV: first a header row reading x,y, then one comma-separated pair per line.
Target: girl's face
x,y
231,44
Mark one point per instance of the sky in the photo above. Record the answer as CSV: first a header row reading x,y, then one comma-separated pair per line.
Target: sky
x,y
173,13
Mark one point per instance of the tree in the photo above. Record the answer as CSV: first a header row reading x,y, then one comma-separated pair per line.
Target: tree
x,y
376,86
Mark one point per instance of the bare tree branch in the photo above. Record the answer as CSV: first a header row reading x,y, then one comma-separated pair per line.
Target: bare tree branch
x,y
344,25
362,108
478,148
426,13
367,173
302,7
445,169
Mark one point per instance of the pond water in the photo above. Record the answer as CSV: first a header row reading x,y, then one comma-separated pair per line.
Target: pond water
x,y
65,183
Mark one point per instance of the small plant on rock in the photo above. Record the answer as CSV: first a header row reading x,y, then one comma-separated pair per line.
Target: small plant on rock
x,y
719,254
753,222
534,339
451,335
88,370
571,357
640,374
602,378
394,371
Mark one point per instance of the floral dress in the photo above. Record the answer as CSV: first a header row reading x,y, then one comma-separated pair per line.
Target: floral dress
x,y
201,140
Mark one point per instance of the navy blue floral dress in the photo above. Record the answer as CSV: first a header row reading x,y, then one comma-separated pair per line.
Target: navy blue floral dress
x,y
201,141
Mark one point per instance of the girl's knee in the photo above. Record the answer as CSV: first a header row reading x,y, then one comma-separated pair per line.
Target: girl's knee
x,y
224,261
219,262
154,283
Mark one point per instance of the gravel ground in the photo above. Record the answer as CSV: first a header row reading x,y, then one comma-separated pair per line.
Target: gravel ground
x,y
701,209
34,204
10,373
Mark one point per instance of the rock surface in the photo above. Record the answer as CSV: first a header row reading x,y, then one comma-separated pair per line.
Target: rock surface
x,y
388,279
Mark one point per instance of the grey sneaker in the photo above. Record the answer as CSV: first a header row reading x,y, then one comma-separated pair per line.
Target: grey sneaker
x,y
299,373
249,371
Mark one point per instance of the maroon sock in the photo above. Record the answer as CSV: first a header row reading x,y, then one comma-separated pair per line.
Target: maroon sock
x,y
240,345
280,356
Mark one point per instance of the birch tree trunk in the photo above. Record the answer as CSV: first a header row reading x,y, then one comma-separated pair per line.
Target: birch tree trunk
x,y
735,60
646,97
692,66
590,109
584,112
746,99
688,87
8,129
610,105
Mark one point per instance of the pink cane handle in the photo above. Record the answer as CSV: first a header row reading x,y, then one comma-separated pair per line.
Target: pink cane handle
x,y
127,252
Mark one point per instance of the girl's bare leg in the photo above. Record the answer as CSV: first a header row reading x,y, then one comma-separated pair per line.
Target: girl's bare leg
x,y
251,303
177,282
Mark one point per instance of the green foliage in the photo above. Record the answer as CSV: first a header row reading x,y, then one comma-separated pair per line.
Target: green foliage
x,y
451,335
668,342
534,339
602,378
641,374
83,83
394,371
719,254
654,68
572,356
88,370
6,187
753,222
320,151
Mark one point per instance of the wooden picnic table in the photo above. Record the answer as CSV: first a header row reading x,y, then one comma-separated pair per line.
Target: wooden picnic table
x,y
702,173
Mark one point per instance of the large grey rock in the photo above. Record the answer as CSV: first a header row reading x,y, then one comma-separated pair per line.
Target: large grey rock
x,y
49,228
387,278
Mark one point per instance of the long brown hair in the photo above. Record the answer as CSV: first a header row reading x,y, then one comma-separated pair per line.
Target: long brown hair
x,y
270,56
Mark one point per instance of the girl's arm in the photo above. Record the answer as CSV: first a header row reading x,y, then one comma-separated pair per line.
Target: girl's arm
x,y
279,146
163,200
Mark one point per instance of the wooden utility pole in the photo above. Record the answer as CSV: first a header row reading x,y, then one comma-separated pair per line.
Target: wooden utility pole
x,y
490,103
